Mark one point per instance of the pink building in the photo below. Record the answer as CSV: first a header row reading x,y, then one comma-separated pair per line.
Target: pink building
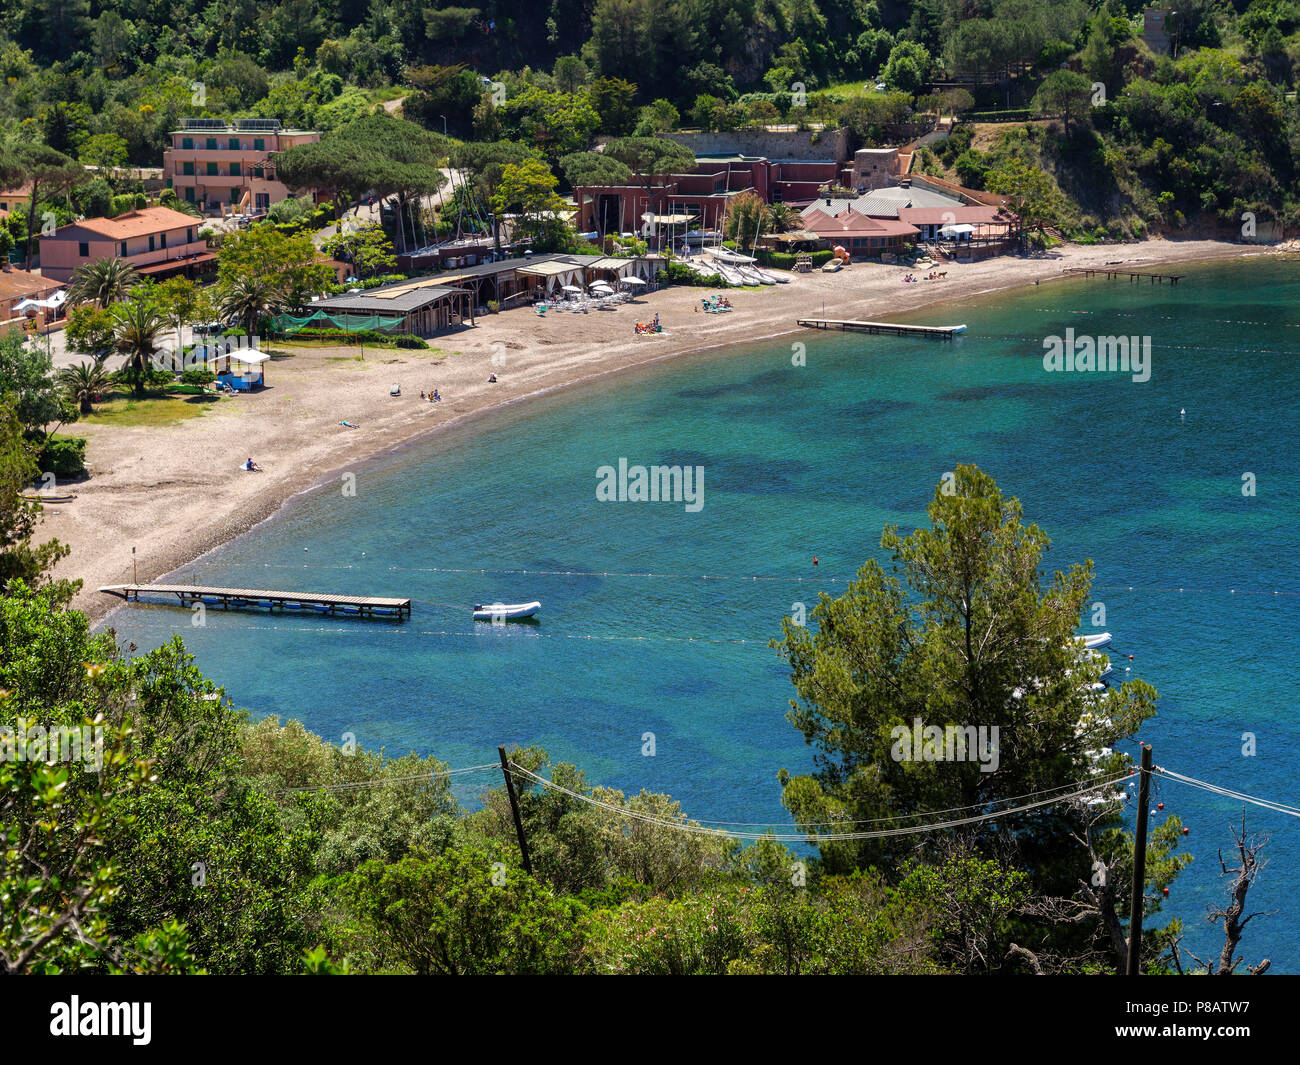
x,y
159,241
222,166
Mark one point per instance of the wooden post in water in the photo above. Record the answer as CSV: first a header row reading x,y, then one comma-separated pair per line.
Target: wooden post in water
x,y
1137,899
514,810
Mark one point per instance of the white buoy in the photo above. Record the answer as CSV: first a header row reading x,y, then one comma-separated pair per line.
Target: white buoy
x,y
1183,413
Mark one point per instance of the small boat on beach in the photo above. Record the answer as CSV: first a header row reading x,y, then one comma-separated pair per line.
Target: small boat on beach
x,y
501,612
37,497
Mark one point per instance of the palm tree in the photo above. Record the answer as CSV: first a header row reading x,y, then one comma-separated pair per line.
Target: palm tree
x,y
782,218
248,298
103,282
136,328
84,382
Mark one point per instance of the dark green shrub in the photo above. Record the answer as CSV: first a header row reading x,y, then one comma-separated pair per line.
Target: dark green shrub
x,y
681,274
64,456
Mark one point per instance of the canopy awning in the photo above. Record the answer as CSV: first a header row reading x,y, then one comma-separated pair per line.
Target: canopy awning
x,y
550,269
957,230
667,219
244,356
57,300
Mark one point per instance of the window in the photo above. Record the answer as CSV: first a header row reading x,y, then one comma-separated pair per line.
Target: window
x,y
259,144
189,193
151,242
162,241
122,249
83,249
212,144
189,233
187,167
187,143
234,170
234,144
212,170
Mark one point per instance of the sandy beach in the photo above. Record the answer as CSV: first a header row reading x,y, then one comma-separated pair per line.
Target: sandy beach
x,y
176,491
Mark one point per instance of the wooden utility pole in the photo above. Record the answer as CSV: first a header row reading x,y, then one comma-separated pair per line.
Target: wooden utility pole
x,y
1138,898
514,810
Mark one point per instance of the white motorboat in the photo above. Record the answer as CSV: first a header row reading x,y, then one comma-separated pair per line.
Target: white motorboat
x,y
1095,641
502,612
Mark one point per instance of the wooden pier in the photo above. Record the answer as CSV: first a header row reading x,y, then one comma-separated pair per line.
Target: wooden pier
x,y
1112,273
940,332
362,606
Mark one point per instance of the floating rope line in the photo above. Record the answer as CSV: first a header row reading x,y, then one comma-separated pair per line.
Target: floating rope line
x,y
1165,317
808,837
485,631
1230,793
1029,342
385,781
646,575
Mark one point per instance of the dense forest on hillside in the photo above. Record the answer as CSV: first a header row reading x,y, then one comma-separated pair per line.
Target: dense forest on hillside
x,y
1210,131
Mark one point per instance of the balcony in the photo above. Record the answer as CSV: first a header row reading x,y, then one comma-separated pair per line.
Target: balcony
x,y
162,255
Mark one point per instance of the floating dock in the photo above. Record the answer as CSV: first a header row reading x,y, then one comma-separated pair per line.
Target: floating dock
x,y
1112,273
941,332
362,606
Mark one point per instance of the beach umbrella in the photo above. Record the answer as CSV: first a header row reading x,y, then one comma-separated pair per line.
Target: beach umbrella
x,y
570,288
632,281
601,286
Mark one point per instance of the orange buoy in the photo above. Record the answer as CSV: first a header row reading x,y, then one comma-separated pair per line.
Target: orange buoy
x,y
814,560
1160,806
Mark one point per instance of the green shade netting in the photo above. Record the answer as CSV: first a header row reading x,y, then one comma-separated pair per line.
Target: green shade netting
x,y
348,323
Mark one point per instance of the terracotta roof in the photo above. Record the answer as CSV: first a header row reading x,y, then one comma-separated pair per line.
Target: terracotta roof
x,y
942,216
17,284
856,225
139,223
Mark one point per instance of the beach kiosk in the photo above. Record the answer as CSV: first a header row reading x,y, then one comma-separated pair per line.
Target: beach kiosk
x,y
242,370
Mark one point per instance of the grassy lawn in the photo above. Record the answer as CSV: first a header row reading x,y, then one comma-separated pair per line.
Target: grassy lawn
x,y
153,409
849,88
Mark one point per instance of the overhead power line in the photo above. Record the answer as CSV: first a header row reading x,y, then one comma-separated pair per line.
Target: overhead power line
x,y
1229,793
810,837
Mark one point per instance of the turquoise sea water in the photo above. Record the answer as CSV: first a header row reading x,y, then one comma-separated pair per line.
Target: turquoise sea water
x,y
1199,582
